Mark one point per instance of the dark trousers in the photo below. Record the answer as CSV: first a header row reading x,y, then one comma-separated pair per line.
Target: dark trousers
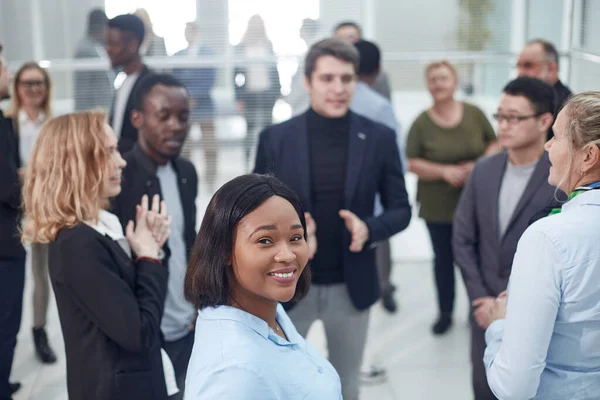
x,y
180,352
441,240
383,254
481,389
12,282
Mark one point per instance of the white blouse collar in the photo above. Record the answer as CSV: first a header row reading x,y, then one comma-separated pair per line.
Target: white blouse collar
x,y
108,224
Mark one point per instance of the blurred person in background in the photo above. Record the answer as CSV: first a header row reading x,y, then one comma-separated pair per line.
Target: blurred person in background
x,y
200,82
298,98
351,32
124,36
93,88
256,81
540,59
443,144
152,45
12,252
502,195
161,115
368,103
543,341
30,108
110,304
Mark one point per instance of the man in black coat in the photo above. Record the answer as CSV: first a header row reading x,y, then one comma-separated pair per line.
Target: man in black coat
x,y
540,59
161,116
123,38
337,162
12,252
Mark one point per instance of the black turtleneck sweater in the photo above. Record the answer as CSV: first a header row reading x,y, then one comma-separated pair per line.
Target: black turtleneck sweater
x,y
328,142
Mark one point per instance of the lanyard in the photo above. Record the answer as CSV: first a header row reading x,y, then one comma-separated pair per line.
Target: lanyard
x,y
577,191
581,189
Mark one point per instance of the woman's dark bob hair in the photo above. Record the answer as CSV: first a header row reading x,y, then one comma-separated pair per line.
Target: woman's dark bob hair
x,y
209,277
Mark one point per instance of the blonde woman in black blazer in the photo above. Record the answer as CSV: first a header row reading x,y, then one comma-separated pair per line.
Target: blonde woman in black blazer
x,y
110,305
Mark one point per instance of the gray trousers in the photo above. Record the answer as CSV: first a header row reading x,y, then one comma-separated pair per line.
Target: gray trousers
x,y
345,330
41,283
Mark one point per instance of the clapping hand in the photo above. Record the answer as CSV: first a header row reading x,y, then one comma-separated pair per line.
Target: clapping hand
x,y
358,229
158,220
151,229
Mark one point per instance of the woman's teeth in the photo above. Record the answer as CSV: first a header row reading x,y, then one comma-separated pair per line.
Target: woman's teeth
x,y
286,275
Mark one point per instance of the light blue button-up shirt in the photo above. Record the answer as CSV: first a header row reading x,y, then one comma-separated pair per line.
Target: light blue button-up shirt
x,y
548,346
238,356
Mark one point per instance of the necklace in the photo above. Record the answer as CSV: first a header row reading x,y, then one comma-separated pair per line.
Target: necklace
x,y
276,329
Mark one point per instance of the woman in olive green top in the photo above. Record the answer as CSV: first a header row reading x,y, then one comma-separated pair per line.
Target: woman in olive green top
x,y
443,144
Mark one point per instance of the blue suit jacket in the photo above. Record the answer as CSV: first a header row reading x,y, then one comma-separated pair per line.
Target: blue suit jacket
x,y
373,167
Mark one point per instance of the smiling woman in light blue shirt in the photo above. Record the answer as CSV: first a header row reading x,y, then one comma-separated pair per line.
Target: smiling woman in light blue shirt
x,y
251,253
545,341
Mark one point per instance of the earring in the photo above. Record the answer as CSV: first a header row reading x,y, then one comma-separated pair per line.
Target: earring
x,y
581,173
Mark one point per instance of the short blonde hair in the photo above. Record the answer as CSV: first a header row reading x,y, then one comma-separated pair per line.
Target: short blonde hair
x,y
439,64
65,175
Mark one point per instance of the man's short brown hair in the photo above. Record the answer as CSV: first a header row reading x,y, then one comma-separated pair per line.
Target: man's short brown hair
x,y
330,47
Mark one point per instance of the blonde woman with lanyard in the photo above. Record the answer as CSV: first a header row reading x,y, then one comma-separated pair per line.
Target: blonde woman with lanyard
x,y
544,343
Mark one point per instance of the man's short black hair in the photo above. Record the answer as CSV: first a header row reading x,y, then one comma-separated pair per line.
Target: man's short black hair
x,y
148,83
549,50
540,94
129,23
349,23
97,21
370,57
209,279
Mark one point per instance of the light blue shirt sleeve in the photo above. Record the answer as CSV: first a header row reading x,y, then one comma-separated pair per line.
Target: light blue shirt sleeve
x,y
517,346
238,382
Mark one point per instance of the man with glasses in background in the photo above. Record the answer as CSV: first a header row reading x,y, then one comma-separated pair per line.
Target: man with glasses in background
x,y
504,193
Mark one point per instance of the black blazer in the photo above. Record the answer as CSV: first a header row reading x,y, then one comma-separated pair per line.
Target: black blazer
x,y
129,133
139,178
10,191
373,167
110,312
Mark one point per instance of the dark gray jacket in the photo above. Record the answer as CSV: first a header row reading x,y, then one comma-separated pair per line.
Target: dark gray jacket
x,y
484,258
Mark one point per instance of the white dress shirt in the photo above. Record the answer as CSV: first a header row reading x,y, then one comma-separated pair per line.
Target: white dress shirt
x,y
121,99
29,130
548,346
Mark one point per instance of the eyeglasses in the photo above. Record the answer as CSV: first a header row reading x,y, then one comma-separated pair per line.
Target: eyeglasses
x,y
514,119
32,84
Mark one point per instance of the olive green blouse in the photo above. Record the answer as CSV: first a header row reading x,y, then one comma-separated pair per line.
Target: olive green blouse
x,y
465,142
